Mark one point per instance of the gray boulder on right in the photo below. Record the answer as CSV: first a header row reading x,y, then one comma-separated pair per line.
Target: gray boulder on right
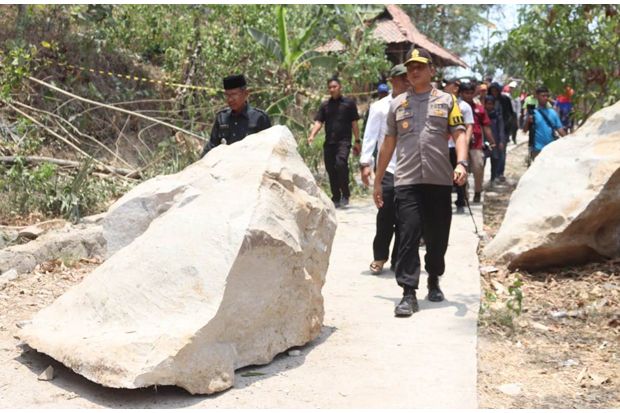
x,y
566,207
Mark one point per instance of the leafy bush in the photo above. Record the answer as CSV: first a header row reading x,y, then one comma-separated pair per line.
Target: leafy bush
x,y
14,66
47,190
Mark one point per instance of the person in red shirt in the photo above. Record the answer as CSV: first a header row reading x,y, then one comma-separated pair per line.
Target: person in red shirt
x,y
481,122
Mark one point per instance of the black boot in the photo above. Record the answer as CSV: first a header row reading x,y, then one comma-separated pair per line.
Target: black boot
x,y
408,305
434,292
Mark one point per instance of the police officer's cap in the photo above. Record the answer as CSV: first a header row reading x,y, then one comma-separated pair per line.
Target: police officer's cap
x,y
234,82
420,55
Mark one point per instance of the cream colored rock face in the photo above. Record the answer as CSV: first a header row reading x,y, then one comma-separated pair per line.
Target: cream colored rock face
x,y
214,268
566,208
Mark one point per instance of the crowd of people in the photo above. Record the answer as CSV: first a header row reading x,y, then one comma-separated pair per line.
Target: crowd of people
x,y
421,138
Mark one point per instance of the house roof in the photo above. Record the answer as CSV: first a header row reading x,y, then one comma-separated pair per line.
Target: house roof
x,y
395,26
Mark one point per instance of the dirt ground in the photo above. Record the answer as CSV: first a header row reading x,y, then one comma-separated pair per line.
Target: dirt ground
x,y
562,351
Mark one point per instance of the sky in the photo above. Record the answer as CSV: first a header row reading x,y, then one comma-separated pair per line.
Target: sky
x,y
505,18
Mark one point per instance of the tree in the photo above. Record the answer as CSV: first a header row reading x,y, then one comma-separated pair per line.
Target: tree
x,y
567,45
450,25
292,52
363,60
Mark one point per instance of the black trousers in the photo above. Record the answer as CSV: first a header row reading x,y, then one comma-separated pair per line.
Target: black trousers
x,y
460,190
422,210
386,223
336,157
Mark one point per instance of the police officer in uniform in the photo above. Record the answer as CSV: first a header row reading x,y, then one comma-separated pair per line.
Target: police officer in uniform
x,y
419,123
239,119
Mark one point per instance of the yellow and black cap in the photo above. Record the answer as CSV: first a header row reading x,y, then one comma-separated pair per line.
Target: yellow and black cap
x,y
417,54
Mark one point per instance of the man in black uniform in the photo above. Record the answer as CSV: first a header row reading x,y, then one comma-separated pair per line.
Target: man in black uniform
x,y
340,116
239,119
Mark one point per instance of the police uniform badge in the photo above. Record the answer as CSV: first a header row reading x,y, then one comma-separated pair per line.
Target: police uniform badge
x,y
456,117
404,115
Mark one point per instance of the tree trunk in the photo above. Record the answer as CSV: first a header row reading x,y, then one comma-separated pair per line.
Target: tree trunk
x,y
190,68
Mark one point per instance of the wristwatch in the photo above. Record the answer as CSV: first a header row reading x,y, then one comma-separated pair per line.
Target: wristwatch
x,y
464,163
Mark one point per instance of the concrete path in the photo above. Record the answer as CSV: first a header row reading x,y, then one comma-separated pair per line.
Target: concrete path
x,y
364,358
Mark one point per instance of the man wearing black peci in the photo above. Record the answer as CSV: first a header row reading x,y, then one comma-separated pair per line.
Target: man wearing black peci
x,y
239,119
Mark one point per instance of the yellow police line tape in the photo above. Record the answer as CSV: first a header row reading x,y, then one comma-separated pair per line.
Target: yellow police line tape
x,y
210,90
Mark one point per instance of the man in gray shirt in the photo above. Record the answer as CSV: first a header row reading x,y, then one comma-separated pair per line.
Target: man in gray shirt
x,y
419,124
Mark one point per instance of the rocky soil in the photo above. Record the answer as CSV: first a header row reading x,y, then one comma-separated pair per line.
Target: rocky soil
x,y
563,349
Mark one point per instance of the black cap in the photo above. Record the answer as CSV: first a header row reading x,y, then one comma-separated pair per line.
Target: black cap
x,y
234,82
466,86
495,85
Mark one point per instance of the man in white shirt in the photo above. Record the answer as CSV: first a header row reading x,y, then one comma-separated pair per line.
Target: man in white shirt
x,y
373,138
452,86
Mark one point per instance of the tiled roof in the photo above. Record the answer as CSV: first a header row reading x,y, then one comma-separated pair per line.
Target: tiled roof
x,y
401,29
389,32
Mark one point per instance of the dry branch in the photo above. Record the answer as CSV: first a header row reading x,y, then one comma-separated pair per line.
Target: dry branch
x,y
48,130
61,119
128,173
103,105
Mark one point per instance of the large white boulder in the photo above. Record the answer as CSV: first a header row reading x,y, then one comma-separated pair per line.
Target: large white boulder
x,y
218,267
566,207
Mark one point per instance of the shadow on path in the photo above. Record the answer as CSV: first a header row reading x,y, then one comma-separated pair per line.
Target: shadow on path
x,y
461,302
76,385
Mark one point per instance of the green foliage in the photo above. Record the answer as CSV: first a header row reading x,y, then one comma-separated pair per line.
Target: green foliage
x,y
515,303
274,46
559,45
505,313
47,190
313,153
14,66
363,60
292,52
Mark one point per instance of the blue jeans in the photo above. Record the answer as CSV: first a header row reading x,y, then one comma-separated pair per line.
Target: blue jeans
x,y
498,162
